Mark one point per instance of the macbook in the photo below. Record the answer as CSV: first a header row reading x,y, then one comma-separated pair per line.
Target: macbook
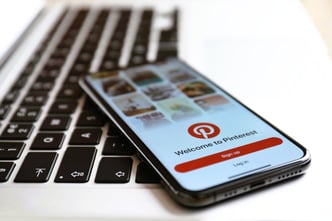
x,y
62,159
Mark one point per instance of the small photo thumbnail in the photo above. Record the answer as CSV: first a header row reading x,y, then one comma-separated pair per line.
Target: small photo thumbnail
x,y
179,108
212,103
179,75
133,104
143,77
161,92
195,89
117,86
151,120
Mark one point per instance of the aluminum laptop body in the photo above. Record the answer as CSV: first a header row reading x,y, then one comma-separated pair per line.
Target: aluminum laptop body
x,y
267,53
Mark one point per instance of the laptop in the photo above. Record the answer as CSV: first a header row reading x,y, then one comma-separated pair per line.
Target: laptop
x,y
266,53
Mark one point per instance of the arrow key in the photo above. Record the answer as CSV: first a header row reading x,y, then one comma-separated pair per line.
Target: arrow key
x,y
114,170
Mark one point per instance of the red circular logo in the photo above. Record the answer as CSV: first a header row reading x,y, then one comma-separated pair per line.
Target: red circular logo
x,y
203,130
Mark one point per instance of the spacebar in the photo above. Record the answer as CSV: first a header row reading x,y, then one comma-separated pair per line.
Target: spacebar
x,y
76,165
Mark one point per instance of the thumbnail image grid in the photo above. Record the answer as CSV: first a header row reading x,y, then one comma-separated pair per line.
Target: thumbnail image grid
x,y
156,96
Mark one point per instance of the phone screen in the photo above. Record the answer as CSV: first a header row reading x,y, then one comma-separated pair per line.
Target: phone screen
x,y
200,134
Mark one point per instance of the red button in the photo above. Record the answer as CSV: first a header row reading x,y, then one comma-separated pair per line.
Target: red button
x,y
227,155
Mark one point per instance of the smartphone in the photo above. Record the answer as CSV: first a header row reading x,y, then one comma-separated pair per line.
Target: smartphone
x,y
205,144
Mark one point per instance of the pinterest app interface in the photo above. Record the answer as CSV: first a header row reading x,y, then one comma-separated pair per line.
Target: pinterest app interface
x,y
198,132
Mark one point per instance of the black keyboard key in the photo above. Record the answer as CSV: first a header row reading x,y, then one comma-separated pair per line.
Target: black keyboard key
x,y
42,86
166,53
10,97
26,114
72,79
118,146
114,170
92,119
76,165
35,98
48,74
70,92
112,55
88,136
4,110
109,65
137,60
27,71
116,45
21,82
56,123
113,131
61,52
48,141
85,56
6,168
145,174
11,150
140,49
16,131
63,107
55,62
80,67
168,36
36,167
89,105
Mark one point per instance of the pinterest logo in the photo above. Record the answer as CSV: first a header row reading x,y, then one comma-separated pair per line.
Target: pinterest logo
x,y
203,130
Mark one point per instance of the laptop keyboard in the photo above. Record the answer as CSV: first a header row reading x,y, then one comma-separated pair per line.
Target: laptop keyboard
x,y
50,131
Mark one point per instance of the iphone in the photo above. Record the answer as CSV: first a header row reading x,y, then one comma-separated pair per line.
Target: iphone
x,y
205,144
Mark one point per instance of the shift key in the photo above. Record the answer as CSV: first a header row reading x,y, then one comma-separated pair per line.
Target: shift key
x,y
37,167
76,165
